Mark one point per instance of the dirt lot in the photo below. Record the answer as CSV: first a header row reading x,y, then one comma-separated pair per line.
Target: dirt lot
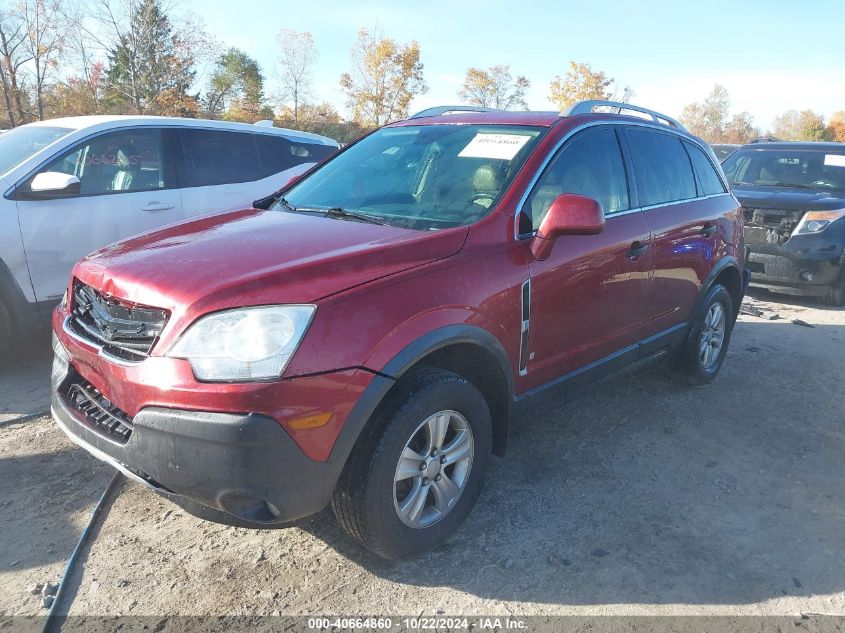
x,y
644,497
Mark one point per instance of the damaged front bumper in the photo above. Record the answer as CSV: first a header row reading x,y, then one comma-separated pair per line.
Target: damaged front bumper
x,y
804,264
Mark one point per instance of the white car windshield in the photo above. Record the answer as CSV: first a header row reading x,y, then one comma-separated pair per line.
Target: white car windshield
x,y
22,142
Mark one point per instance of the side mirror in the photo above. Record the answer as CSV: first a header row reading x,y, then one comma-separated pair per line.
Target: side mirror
x,y
569,214
50,184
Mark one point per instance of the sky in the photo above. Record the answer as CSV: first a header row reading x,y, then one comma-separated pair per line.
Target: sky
x,y
771,55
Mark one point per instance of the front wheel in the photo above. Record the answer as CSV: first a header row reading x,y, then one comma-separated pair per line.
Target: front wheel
x,y
703,353
834,296
416,474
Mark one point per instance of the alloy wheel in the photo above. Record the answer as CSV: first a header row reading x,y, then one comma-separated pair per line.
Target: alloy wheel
x,y
712,336
433,469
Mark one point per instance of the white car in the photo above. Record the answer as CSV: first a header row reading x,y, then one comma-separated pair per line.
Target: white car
x,y
73,185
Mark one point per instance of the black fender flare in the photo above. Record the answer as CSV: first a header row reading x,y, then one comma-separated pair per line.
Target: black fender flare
x,y
721,266
388,375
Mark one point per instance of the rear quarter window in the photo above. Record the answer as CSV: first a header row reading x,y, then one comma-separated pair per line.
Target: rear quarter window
x,y
279,153
661,167
709,182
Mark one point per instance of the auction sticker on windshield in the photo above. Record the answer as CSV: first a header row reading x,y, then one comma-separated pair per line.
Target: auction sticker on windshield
x,y
496,146
835,160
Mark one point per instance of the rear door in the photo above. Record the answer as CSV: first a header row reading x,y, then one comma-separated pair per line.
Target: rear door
x,y
683,217
126,187
587,299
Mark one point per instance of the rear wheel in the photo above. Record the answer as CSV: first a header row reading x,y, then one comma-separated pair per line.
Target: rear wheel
x,y
703,352
416,474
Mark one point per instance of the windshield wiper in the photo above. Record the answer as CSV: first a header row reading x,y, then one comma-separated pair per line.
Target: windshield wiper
x,y
793,185
281,200
337,212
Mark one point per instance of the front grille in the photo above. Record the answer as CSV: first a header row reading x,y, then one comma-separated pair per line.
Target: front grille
x,y
97,410
125,330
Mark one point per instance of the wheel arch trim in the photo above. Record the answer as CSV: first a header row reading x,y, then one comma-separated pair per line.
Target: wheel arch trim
x,y
403,361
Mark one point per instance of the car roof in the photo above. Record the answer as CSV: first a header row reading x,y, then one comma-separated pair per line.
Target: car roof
x,y
787,145
492,117
528,118
105,120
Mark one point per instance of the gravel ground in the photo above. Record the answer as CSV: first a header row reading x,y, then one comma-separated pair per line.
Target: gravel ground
x,y
643,497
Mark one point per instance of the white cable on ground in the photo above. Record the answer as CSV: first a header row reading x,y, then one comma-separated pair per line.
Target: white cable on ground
x,y
83,538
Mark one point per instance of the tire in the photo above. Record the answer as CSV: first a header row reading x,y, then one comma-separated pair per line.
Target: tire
x,y
5,329
835,296
368,500
697,364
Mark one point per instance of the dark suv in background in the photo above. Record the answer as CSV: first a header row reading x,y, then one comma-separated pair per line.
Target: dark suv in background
x,y
793,202
369,336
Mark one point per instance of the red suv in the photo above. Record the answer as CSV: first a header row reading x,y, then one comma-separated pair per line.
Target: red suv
x,y
371,334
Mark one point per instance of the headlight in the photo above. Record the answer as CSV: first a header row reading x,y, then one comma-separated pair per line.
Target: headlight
x,y
244,344
817,221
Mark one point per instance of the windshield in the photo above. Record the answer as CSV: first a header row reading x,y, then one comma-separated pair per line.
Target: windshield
x,y
22,142
421,177
820,169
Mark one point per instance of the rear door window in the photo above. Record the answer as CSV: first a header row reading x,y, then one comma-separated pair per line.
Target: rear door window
x,y
218,157
709,182
591,165
661,167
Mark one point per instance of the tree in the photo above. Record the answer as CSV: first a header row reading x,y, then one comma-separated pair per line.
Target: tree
x,y
321,118
806,125
494,88
740,129
43,42
297,56
147,59
13,56
836,127
579,84
79,53
708,119
77,96
236,88
385,77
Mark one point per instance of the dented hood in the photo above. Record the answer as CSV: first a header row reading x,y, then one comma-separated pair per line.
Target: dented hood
x,y
254,257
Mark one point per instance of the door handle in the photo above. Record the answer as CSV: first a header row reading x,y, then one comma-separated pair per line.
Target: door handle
x,y
708,229
637,249
157,206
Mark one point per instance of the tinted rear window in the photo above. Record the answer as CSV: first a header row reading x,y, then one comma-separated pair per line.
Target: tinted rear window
x,y
661,166
213,157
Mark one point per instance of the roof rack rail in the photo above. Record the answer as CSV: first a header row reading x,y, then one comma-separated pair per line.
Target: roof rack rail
x,y
586,107
455,109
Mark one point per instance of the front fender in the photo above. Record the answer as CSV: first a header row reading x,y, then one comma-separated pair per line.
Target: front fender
x,y
391,370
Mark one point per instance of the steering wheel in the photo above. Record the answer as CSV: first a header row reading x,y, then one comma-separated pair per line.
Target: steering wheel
x,y
481,198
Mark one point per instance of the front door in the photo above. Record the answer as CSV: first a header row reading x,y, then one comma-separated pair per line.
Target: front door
x,y
124,190
587,299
